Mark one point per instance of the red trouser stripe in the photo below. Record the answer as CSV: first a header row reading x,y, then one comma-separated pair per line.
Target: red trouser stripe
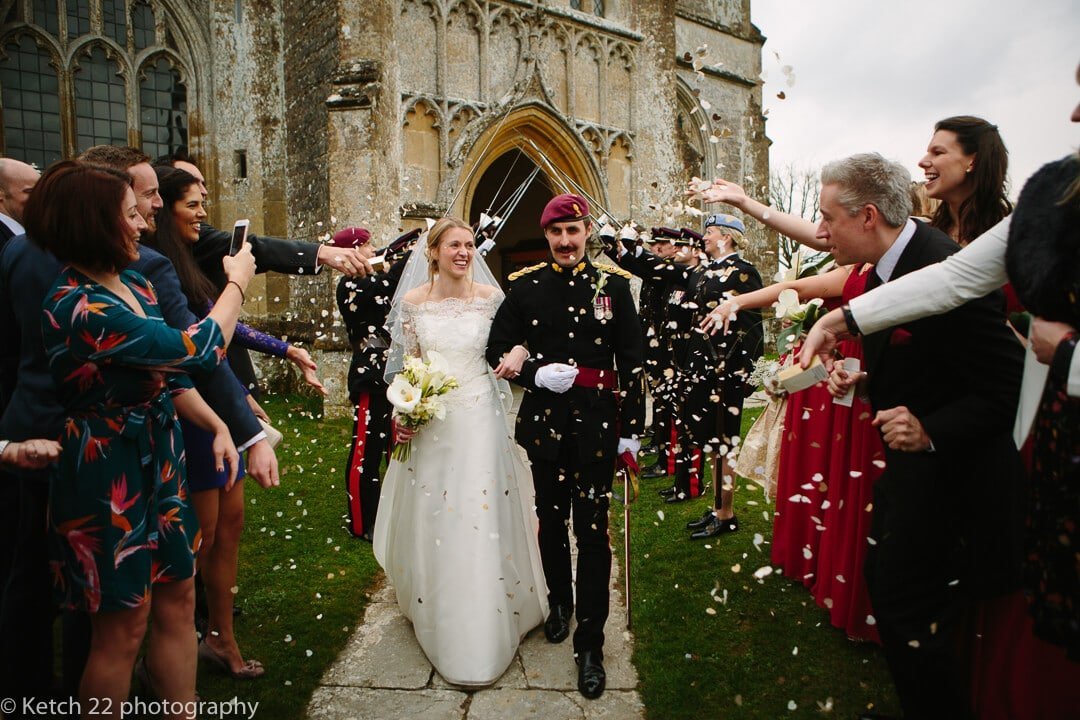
x,y
673,443
695,473
356,465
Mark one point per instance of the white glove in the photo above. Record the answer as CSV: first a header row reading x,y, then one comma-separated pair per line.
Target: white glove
x,y
630,444
556,377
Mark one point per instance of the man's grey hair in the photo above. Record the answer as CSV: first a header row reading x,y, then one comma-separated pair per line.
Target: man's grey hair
x,y
870,179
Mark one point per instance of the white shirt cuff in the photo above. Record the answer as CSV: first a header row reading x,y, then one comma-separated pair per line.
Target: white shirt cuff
x,y
261,435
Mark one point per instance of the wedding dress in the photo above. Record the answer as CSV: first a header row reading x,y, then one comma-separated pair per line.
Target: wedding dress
x,y
456,531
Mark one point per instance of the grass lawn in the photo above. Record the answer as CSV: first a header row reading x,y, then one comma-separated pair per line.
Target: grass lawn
x,y
304,582
714,641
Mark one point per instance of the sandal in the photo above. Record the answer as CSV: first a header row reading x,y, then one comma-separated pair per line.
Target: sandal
x,y
250,670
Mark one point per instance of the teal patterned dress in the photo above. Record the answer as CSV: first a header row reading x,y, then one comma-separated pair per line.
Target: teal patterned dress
x,y
120,518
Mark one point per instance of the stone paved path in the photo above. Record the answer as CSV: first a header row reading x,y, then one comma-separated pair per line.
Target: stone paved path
x,y
384,675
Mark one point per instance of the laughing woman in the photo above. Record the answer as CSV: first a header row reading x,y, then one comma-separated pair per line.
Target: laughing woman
x,y
123,533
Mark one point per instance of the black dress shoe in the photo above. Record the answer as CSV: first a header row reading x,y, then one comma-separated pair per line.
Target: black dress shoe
x,y
557,626
702,521
591,677
716,527
667,492
678,497
656,471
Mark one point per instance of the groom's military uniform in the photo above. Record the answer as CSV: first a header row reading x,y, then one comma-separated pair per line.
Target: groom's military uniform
x,y
582,316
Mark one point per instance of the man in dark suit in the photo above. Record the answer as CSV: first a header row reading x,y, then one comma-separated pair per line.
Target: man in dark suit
x,y
17,179
364,303
583,407
283,256
944,391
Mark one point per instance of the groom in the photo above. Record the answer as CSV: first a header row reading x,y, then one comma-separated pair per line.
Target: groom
x,y
583,407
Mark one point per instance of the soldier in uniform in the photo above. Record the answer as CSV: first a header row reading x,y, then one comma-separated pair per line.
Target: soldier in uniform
x,y
719,366
364,303
679,277
583,407
653,308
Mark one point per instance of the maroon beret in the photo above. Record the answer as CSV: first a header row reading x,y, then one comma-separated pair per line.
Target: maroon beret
x,y
563,208
691,238
351,237
664,234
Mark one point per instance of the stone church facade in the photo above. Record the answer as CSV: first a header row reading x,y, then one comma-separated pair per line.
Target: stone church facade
x,y
311,115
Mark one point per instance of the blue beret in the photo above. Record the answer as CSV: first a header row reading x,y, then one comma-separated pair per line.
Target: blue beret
x,y
725,221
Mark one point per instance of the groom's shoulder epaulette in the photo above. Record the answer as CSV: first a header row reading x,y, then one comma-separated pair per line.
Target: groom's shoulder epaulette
x,y
525,271
615,270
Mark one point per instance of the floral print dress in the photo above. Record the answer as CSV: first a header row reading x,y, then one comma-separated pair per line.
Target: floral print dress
x,y
120,519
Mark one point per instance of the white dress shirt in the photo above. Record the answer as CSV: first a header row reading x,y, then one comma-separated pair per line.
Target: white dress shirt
x,y
14,225
975,271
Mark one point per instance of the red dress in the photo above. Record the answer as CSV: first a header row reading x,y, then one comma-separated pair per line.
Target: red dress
x,y
801,484
856,460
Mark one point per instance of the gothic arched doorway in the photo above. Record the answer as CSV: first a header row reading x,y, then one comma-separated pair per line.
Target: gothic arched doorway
x,y
520,242
498,162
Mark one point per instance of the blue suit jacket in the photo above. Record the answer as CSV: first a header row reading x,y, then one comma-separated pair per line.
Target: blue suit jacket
x,y
26,274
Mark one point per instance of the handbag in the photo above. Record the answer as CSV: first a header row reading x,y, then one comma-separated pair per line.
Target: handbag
x,y
273,436
759,455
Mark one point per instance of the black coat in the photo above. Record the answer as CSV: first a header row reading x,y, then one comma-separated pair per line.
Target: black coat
x,y
364,304
284,256
947,520
551,311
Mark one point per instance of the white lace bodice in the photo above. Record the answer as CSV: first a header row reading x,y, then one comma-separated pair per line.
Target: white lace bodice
x,y
457,329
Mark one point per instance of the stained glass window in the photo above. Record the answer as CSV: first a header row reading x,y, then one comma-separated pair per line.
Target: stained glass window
x,y
63,94
163,103
78,18
100,103
142,25
46,16
31,97
114,21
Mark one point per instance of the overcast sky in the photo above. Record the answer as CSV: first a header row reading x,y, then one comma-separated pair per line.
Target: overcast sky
x,y
877,75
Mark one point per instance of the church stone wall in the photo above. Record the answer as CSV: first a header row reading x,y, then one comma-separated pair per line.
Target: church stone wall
x,y
384,101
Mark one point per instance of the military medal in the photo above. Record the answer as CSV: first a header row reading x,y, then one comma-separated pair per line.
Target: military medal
x,y
602,308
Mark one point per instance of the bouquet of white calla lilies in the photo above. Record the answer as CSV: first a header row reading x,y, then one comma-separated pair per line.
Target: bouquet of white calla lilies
x,y
797,317
415,393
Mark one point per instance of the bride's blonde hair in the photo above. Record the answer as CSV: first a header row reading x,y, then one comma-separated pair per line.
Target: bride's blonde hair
x,y
435,235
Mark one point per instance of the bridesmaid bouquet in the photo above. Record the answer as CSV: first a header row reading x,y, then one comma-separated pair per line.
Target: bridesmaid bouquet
x,y
797,318
415,394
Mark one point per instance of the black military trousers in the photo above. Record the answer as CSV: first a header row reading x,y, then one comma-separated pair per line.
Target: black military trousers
x,y
370,442
565,488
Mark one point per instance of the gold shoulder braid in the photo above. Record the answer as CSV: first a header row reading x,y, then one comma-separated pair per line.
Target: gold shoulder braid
x,y
614,270
525,271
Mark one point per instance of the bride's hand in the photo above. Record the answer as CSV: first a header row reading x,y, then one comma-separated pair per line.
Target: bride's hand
x,y
402,434
512,362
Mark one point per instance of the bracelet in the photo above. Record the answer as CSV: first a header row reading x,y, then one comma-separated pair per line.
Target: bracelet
x,y
849,320
243,298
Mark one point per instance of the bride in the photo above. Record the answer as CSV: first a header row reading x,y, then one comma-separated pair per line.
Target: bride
x,y
456,532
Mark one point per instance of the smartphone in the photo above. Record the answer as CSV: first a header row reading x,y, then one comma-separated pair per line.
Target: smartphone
x,y
239,235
